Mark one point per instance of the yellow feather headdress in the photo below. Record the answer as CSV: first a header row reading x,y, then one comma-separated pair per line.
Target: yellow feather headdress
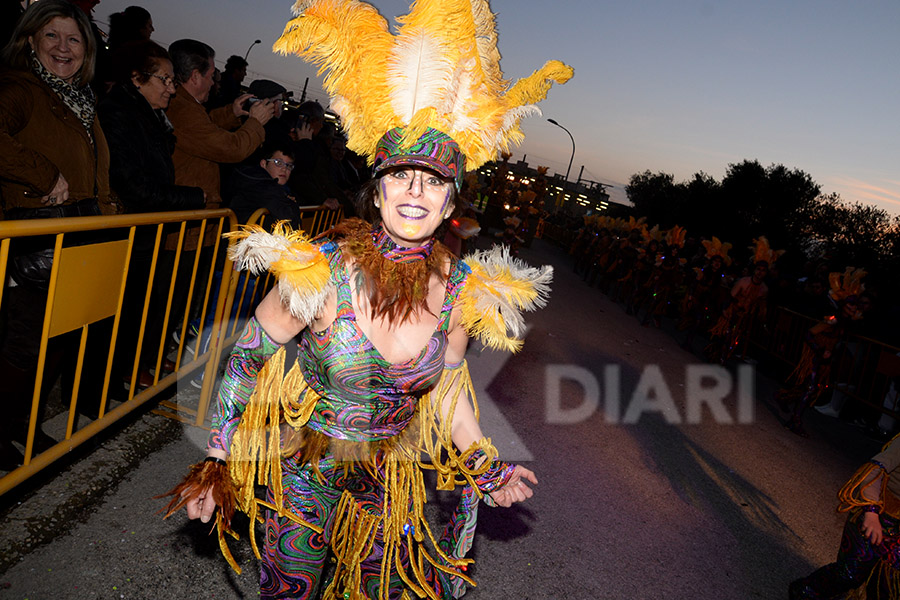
x,y
440,71
675,236
846,284
652,234
762,252
716,247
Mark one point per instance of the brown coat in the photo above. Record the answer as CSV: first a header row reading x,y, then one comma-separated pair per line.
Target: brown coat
x,y
202,141
40,137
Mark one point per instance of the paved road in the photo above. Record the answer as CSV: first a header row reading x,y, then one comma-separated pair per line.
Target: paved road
x,y
654,509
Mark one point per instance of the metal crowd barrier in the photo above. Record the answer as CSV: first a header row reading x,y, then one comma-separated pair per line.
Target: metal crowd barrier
x,y
864,369
94,270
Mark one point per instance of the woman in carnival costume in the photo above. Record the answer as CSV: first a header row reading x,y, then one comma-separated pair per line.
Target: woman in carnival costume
x,y
382,315
813,374
869,553
746,304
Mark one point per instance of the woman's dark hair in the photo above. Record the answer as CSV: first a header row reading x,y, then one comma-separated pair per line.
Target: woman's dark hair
x,y
126,26
17,52
365,204
138,59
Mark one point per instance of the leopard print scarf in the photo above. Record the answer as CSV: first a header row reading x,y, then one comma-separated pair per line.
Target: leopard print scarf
x,y
80,100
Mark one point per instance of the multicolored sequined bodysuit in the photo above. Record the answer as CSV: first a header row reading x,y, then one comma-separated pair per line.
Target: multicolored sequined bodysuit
x,y
365,397
342,439
365,402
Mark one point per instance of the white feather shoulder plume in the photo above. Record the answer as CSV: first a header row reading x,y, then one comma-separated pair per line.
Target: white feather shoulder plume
x,y
496,292
302,271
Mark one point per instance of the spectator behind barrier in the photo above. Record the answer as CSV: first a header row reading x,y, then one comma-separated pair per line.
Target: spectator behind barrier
x,y
134,24
53,163
264,185
143,176
277,129
203,140
140,136
230,86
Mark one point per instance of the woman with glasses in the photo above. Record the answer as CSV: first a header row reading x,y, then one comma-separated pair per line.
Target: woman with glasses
x,y
142,175
139,134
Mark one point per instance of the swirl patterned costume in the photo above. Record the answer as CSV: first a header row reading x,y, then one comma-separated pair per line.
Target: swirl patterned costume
x,y
338,440
860,563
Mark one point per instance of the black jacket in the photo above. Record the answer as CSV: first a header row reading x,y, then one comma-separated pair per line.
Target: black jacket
x,y
251,187
140,148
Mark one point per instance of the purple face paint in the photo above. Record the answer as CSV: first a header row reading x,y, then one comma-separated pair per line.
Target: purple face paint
x,y
446,201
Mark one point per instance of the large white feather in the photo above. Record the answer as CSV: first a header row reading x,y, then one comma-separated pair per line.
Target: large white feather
x,y
518,113
419,72
461,90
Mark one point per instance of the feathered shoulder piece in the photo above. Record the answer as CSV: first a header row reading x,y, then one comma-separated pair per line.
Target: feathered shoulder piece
x,y
496,292
301,268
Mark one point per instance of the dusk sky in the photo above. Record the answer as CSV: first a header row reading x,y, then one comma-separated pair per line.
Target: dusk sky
x,y
678,86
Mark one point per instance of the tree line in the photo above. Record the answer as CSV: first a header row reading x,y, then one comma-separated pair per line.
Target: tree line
x,y
785,205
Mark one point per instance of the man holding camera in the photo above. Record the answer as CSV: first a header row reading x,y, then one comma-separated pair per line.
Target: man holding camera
x,y
204,140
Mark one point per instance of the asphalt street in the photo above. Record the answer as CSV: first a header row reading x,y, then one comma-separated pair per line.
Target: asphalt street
x,y
633,501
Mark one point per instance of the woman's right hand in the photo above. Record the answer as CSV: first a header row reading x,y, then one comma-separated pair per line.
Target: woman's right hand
x,y
202,506
59,194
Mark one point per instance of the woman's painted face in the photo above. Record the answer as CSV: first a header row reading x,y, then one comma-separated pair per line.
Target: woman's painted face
x,y
59,46
160,85
414,202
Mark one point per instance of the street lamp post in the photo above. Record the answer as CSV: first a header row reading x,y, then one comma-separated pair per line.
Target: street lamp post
x,y
571,158
255,42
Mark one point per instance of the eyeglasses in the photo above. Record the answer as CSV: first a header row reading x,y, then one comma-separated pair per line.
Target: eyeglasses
x,y
280,163
167,81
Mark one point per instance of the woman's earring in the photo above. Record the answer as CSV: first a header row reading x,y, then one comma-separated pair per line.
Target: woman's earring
x,y
377,202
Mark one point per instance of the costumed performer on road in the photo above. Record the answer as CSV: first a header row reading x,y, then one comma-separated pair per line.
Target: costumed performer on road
x,y
383,313
869,554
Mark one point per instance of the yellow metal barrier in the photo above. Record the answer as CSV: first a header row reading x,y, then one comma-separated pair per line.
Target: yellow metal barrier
x,y
247,292
862,368
87,284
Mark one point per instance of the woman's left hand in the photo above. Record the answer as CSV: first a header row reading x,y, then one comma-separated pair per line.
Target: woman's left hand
x,y
516,490
871,528
59,194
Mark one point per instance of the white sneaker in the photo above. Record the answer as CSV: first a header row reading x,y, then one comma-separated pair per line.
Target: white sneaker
x,y
828,410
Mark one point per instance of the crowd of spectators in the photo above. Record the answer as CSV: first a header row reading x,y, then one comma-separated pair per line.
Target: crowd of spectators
x,y
93,124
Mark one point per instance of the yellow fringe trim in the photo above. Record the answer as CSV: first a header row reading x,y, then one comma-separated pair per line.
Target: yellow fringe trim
x,y
259,444
851,496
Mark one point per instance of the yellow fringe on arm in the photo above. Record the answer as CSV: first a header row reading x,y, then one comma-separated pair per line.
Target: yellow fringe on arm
x,y
851,495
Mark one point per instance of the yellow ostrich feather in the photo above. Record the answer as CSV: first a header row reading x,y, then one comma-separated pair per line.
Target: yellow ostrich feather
x,y
302,271
440,70
496,292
